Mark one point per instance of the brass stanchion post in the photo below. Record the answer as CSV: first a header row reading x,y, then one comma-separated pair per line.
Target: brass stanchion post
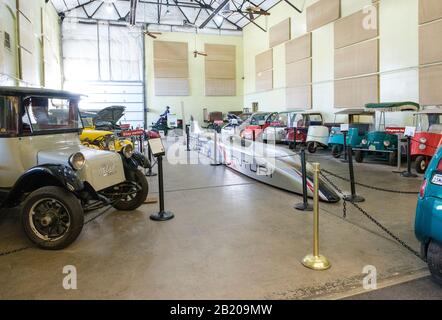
x,y
316,261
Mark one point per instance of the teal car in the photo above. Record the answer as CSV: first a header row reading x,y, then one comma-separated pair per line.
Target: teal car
x,y
360,122
382,144
428,223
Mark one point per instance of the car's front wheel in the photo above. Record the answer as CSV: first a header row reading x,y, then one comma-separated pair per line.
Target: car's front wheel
x,y
434,260
312,147
359,156
336,151
133,199
421,164
52,218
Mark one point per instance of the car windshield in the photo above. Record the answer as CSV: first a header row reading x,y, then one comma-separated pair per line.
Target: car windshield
x,y
429,122
258,119
8,115
315,119
51,114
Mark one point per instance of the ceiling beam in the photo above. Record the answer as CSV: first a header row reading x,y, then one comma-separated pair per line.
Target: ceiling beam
x,y
214,13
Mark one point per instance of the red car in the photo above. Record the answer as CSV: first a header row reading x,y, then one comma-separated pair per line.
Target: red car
x,y
255,125
299,124
427,138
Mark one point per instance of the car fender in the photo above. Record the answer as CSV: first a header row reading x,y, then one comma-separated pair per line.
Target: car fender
x,y
42,176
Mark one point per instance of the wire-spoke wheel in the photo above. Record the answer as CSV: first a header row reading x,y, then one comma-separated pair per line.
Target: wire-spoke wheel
x,y
133,199
52,217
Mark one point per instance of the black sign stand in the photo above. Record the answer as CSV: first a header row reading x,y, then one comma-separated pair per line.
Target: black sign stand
x,y
408,173
149,172
353,197
162,215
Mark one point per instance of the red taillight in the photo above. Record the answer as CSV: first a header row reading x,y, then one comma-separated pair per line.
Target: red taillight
x,y
422,190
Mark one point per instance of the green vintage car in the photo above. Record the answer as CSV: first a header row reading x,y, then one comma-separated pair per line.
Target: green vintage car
x,y
382,144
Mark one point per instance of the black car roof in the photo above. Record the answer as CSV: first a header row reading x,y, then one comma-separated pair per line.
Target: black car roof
x,y
24,91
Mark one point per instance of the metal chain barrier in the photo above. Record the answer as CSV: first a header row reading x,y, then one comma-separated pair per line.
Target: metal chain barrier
x,y
367,215
368,186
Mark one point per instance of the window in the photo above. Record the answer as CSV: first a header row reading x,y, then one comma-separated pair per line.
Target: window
x,y
49,114
8,115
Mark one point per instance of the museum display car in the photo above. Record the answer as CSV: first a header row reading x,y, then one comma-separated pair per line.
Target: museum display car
x,y
51,175
428,223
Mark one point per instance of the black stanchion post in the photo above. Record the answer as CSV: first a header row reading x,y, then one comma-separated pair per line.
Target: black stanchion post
x,y
353,197
162,215
187,137
304,206
345,147
408,173
149,173
141,143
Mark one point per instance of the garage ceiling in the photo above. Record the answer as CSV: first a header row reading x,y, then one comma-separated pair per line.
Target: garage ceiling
x,y
173,15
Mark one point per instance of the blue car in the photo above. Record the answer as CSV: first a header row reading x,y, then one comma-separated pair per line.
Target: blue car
x,y
428,224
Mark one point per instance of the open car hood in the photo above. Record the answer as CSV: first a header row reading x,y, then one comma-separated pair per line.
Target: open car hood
x,y
110,114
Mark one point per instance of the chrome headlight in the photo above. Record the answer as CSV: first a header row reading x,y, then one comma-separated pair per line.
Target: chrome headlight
x,y
422,147
332,132
128,151
364,141
77,161
387,143
423,140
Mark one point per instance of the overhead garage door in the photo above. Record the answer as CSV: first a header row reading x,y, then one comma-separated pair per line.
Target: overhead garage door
x,y
104,62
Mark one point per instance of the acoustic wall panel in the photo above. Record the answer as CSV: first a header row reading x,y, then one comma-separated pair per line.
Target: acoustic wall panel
x,y
429,10
356,92
430,46
220,52
322,13
430,83
220,69
299,97
220,87
299,48
299,73
170,50
264,81
359,59
279,33
171,87
350,30
264,61
171,69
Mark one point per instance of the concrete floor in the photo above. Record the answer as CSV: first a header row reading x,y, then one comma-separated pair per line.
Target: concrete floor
x,y
232,238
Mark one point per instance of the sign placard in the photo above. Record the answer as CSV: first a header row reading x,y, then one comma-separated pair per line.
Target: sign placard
x,y
157,147
410,131
345,127
172,120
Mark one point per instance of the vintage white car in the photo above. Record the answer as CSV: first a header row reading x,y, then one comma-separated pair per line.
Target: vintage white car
x,y
45,168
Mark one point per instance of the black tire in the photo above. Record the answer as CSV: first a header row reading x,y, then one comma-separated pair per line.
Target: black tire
x,y
134,202
292,145
336,151
434,260
421,164
359,156
64,212
311,147
392,159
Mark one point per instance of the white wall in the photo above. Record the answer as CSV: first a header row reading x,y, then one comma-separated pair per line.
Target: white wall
x,y
196,101
399,50
45,64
